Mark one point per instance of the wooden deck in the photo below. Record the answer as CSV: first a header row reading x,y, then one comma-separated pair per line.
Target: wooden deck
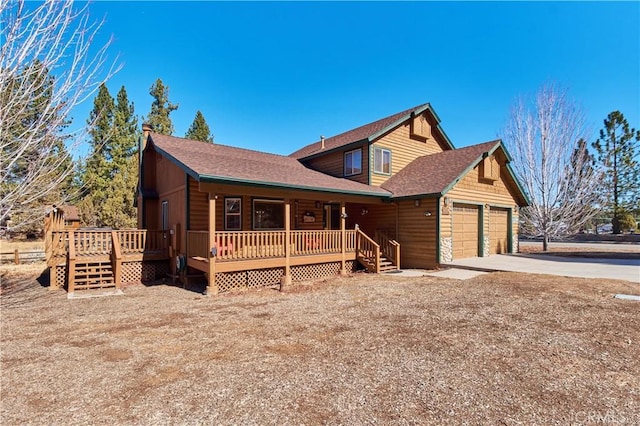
x,y
239,251
94,258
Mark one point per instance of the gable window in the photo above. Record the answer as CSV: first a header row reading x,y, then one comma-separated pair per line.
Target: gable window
x,y
353,162
268,214
382,161
233,214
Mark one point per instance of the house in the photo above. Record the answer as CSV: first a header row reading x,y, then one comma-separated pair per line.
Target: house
x,y
389,193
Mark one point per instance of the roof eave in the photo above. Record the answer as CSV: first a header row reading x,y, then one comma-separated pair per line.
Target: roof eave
x,y
277,185
338,148
417,196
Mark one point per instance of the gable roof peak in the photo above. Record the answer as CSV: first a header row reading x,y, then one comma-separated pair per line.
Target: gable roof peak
x,y
367,132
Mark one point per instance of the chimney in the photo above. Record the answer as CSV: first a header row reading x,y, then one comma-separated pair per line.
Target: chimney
x,y
321,142
146,129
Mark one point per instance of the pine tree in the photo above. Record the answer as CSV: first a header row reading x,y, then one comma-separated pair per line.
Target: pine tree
x,y
617,153
118,210
97,170
125,130
161,108
199,129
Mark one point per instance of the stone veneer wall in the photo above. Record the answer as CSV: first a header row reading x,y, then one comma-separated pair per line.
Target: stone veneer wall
x,y
486,248
446,250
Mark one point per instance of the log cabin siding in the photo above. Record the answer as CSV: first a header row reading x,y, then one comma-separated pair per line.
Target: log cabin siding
x,y
417,233
171,187
404,149
378,218
198,207
333,164
300,208
472,188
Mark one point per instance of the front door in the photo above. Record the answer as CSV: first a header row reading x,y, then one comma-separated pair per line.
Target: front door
x,y
331,217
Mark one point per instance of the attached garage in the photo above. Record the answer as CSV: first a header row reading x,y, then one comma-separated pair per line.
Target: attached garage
x,y
498,230
465,231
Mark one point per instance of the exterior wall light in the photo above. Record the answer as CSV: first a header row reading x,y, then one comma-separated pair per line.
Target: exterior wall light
x,y
344,215
364,211
427,213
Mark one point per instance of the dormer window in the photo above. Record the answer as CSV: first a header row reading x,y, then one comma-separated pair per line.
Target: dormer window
x,y
353,162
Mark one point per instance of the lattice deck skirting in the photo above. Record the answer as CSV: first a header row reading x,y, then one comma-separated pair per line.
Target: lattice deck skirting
x,y
141,272
57,277
228,281
132,272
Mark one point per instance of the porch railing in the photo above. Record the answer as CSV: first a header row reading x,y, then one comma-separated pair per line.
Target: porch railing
x,y
245,245
367,252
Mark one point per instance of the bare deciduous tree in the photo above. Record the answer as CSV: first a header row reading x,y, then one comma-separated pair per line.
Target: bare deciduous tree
x,y
546,137
48,66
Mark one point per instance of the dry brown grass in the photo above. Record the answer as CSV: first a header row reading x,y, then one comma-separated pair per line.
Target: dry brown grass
x,y
10,245
499,349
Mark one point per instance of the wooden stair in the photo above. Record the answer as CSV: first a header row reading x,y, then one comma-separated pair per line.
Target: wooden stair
x,y
386,265
92,274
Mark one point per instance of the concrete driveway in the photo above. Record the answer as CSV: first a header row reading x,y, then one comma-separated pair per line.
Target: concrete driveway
x,y
618,269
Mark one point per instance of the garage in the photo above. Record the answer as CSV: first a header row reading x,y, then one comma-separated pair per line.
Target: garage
x,y
498,230
465,231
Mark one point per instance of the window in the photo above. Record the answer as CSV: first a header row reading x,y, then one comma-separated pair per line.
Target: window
x,y
268,214
382,161
353,162
232,214
165,215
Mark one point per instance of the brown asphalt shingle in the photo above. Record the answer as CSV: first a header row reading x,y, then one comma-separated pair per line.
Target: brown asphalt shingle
x,y
355,135
242,165
433,173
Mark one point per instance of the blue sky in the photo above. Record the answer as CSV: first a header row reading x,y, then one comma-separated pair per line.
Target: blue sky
x,y
276,76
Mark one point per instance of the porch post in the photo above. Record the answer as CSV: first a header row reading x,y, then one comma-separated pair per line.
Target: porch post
x,y
286,279
212,288
343,237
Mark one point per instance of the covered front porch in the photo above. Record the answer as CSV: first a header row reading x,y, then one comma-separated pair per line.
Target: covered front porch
x,y
287,254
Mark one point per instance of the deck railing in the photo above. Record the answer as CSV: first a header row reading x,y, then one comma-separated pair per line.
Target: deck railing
x,y
92,243
57,245
141,240
245,245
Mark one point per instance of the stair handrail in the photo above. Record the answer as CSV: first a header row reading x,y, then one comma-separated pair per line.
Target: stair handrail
x,y
365,244
116,258
390,247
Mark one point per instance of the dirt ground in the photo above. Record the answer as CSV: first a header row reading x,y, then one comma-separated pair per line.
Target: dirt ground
x,y
502,348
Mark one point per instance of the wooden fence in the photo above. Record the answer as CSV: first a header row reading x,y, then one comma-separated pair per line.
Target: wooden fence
x,y
18,257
